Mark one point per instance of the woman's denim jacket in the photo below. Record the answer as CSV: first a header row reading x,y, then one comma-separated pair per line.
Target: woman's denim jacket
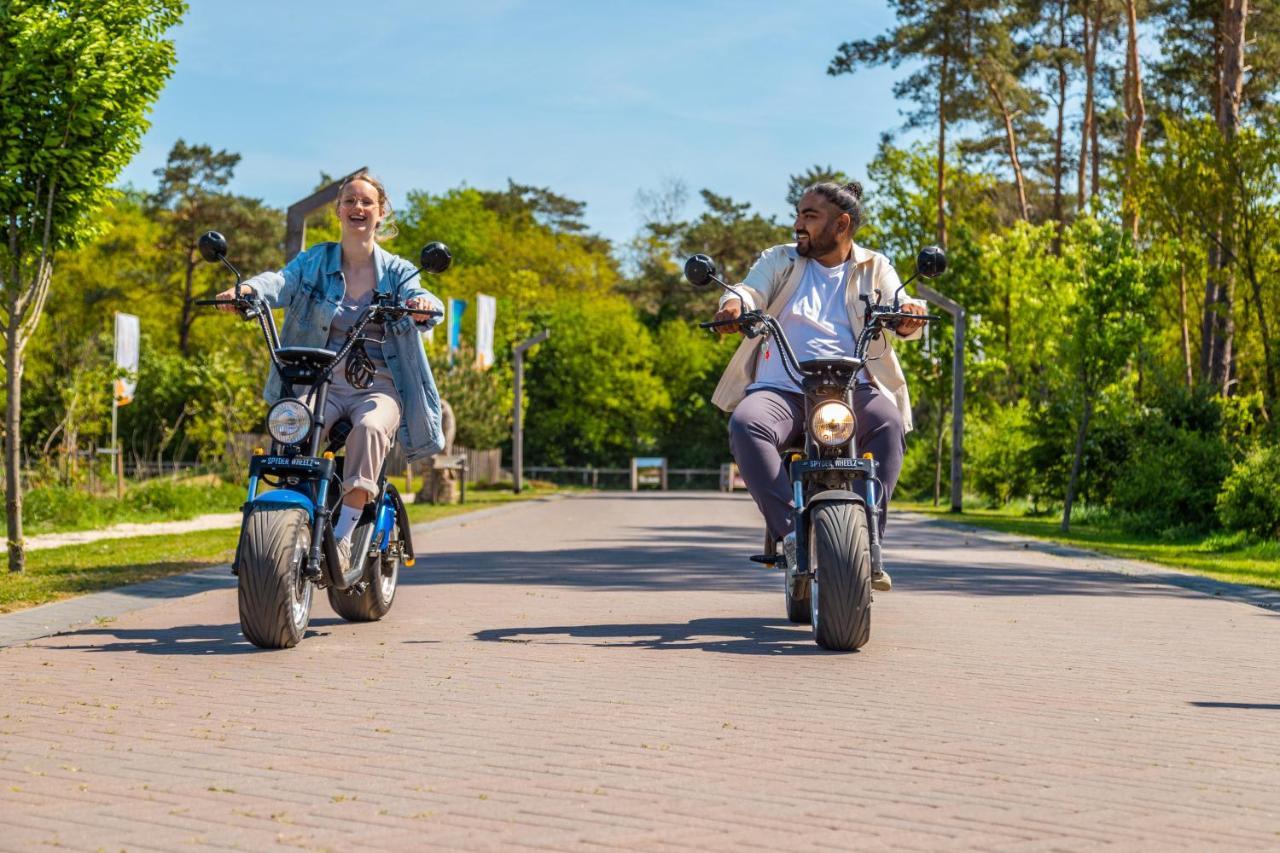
x,y
310,289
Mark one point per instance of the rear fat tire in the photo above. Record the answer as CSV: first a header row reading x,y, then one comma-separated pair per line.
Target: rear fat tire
x,y
798,609
841,591
273,594
382,574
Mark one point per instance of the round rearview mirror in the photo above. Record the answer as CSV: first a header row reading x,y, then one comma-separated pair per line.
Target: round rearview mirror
x,y
700,270
213,246
931,262
435,257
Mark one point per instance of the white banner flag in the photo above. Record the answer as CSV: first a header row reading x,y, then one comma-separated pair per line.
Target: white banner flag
x,y
127,337
486,314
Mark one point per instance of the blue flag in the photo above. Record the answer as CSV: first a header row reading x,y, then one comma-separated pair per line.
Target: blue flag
x,y
457,307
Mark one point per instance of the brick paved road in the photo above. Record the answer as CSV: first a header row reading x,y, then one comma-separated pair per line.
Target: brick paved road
x,y
610,671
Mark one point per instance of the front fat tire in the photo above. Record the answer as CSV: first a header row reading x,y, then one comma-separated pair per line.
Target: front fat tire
x,y
382,575
841,553
274,595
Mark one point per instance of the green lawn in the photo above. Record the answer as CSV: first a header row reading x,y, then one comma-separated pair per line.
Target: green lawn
x,y
1226,556
59,573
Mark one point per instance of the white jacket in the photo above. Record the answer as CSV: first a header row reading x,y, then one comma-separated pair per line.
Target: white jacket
x,y
773,280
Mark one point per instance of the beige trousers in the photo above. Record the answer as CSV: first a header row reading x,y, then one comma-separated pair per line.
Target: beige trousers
x,y
375,418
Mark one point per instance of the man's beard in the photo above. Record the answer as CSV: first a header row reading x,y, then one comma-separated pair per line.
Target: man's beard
x,y
818,245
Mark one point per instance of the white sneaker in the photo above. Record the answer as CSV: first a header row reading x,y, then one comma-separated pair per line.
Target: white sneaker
x,y
881,582
344,556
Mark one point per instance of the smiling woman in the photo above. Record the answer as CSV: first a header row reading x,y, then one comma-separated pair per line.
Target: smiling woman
x,y
387,387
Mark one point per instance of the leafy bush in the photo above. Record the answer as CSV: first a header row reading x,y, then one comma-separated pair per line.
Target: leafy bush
x,y
50,508
170,500
998,448
1171,478
1250,496
481,401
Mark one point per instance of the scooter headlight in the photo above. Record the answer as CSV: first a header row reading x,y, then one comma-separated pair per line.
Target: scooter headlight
x,y
289,421
831,424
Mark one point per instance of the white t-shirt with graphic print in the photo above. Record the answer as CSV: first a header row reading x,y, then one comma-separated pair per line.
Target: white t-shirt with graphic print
x,y
815,321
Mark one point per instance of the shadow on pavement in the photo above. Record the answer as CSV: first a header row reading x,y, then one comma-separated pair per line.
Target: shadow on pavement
x,y
739,636
708,558
921,557
179,640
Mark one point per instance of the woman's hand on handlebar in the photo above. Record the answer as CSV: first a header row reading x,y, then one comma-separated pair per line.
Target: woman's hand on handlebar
x,y
231,294
731,310
421,303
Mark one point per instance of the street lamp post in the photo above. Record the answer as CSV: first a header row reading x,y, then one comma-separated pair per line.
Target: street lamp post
x,y
957,312
517,436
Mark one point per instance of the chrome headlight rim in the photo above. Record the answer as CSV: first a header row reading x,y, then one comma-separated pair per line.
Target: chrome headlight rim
x,y
832,423
297,413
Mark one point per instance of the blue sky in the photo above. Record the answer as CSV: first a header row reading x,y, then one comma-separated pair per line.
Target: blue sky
x,y
596,100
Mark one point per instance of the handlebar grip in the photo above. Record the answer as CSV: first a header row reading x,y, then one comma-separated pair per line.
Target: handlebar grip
x,y
713,324
423,312
217,302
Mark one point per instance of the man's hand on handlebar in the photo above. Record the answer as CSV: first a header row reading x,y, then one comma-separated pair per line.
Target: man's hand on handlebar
x,y
908,327
732,310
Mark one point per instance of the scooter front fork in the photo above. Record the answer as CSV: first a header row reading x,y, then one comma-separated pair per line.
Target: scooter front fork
x,y
873,528
319,530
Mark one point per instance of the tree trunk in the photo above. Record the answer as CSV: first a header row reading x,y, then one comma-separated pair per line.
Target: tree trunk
x,y
1095,153
13,439
184,325
1136,115
1011,139
1231,49
1061,128
1231,52
1182,320
1076,461
1208,323
1264,331
937,454
942,153
1086,119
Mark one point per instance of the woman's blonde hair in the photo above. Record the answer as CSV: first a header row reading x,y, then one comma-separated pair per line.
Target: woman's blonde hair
x,y
387,225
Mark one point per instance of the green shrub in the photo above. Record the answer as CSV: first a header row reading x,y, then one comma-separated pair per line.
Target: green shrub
x,y
997,451
1171,479
917,478
51,508
170,499
1250,496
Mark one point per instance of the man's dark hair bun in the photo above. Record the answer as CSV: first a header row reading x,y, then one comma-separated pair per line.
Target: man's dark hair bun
x,y
847,197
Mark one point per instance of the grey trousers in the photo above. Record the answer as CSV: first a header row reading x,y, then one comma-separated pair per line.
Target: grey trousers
x,y
375,418
768,421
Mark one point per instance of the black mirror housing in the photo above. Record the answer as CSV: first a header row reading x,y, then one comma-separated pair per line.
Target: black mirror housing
x,y
700,270
931,262
435,258
213,246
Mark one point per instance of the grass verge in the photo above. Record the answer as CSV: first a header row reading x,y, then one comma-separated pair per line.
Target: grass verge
x,y
59,573
1232,557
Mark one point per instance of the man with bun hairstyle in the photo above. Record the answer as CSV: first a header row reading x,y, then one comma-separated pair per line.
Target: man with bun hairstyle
x,y
812,287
